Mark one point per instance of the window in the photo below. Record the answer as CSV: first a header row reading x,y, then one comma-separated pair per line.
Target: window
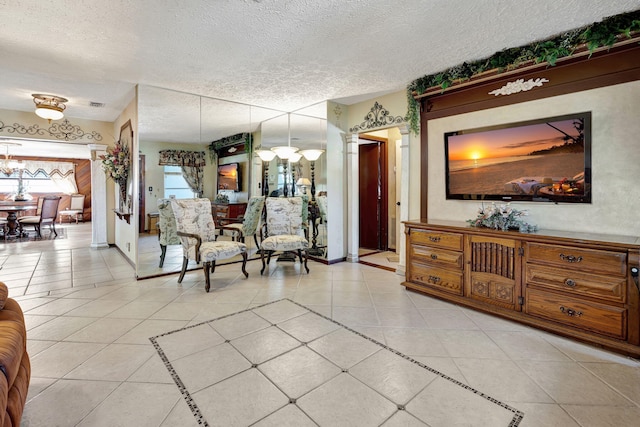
x,y
175,184
40,183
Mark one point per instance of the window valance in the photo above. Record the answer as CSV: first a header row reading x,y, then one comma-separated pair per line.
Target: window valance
x,y
182,158
62,169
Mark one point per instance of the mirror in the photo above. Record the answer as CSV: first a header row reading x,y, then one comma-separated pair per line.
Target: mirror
x,y
171,120
304,129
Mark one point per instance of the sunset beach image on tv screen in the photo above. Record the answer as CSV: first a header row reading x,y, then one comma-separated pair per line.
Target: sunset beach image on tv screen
x,y
524,159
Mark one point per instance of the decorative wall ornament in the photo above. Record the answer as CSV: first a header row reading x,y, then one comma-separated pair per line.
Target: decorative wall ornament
x,y
62,131
337,111
231,145
376,118
519,86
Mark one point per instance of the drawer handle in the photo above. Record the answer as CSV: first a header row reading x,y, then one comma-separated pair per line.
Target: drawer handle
x,y
569,312
434,256
434,279
570,283
434,239
570,258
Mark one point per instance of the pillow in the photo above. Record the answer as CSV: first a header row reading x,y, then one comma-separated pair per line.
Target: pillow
x,y
4,294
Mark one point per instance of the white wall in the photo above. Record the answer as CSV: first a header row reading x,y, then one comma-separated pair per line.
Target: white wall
x,y
615,206
336,185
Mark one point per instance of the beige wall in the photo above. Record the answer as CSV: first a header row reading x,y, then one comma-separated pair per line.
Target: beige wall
x,y
615,161
58,148
154,174
125,234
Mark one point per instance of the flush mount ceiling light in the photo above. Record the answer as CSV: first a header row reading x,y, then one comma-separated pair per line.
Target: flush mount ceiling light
x,y
49,107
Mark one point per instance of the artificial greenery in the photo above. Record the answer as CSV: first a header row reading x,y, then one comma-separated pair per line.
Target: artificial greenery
x,y
599,34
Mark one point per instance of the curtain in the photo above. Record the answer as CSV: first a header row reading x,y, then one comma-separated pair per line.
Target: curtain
x,y
191,163
62,174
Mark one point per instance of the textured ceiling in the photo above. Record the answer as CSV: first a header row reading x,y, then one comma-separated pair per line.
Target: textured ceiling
x,y
277,54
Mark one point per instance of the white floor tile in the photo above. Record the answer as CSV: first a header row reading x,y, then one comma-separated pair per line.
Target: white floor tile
x,y
95,325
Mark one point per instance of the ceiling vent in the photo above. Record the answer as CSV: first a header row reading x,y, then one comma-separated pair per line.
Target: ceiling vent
x,y
96,104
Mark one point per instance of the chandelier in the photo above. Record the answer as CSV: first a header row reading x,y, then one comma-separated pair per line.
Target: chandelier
x,y
8,165
49,107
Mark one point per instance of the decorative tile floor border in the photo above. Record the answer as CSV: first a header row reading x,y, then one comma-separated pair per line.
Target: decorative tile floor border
x,y
515,421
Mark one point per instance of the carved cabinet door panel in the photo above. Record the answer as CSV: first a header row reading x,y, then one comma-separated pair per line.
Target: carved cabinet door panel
x,y
493,271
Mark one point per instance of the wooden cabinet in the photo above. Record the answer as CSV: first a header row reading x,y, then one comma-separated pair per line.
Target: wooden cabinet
x,y
437,260
226,213
578,285
581,287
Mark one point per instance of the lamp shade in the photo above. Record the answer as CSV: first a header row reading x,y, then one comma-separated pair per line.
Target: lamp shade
x,y
303,182
49,112
284,152
294,157
266,155
312,155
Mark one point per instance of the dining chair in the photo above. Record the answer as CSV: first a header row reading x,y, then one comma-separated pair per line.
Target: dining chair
x,y
75,210
250,221
197,232
38,209
282,229
47,216
167,231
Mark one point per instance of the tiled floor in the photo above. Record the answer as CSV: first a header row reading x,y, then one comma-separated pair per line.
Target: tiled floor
x,y
93,363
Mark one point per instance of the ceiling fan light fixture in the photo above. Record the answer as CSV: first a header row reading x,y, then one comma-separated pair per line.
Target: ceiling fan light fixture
x,y
49,107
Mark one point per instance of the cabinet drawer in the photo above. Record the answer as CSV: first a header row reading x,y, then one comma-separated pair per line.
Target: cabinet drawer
x,y
592,260
599,318
572,282
438,239
441,257
440,278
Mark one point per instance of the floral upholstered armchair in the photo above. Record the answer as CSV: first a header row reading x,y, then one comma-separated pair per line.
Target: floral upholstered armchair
x,y
168,235
283,229
249,225
197,232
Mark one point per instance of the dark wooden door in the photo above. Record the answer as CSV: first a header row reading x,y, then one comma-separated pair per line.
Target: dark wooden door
x,y
142,223
373,195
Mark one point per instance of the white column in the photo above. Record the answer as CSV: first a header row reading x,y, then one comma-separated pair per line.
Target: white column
x,y
404,197
98,198
353,208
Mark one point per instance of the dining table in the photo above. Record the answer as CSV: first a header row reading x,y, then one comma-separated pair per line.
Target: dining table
x,y
13,227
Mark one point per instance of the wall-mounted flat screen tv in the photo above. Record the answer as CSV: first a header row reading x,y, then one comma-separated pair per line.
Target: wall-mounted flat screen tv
x,y
546,160
230,177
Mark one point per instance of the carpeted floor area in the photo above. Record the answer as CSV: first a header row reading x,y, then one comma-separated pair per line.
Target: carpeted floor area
x,y
283,364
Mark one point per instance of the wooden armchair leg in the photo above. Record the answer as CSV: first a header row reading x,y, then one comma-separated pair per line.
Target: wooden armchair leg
x,y
163,252
306,258
262,259
207,279
244,264
185,261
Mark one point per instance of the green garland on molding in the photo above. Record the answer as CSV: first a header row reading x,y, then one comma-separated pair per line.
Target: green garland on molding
x,y
599,34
